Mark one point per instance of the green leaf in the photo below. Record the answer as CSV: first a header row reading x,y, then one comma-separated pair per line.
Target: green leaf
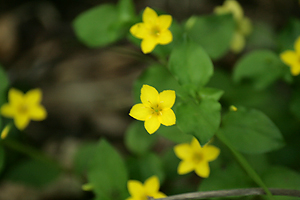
x,y
190,65
137,139
251,131
107,172
295,103
282,177
33,173
3,86
2,158
98,26
289,34
262,67
83,156
200,120
210,93
146,166
174,134
126,10
213,32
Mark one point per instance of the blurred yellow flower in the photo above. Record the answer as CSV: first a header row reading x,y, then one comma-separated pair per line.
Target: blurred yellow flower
x,y
153,30
195,157
155,108
233,108
243,24
24,107
138,191
5,131
292,58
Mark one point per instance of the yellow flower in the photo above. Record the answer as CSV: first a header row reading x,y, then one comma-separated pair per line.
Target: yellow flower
x,y
153,30
5,131
243,24
195,157
138,191
292,58
233,108
24,107
155,108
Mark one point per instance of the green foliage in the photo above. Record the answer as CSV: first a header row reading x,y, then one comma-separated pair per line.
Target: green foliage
x,y
32,172
137,139
212,32
289,34
295,103
107,173
83,157
173,133
200,120
262,67
251,131
3,86
2,158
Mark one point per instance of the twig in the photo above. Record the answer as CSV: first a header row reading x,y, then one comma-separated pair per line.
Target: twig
x,y
228,193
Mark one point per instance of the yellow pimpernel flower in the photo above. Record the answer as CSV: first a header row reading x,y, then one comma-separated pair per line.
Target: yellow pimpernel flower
x,y
292,58
24,107
243,24
155,108
153,30
195,157
138,191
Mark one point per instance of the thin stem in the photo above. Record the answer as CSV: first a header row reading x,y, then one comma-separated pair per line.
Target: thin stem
x,y
245,165
231,193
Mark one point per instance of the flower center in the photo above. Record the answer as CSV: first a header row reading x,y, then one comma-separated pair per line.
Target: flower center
x,y
156,110
197,157
22,109
155,31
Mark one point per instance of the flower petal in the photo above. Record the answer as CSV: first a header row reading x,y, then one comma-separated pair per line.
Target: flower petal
x,y
289,57
183,151
37,113
139,30
168,117
151,185
295,69
140,112
235,8
297,46
148,44
202,169
149,95
165,37
21,121
167,99
195,145
135,188
185,167
149,16
210,152
7,110
33,97
152,124
245,26
164,22
15,96
237,42
159,195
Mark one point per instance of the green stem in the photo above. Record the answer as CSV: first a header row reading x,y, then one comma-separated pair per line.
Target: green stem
x,y
245,165
31,152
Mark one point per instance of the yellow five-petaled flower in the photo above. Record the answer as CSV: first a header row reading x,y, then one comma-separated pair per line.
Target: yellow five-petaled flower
x,y
195,157
155,108
292,58
138,191
153,30
24,107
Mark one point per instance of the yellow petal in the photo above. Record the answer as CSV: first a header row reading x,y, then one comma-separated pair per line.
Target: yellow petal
x,y
167,99
210,152
148,44
21,121
152,124
289,57
149,16
164,22
15,96
33,97
151,185
195,145
185,167
245,26
183,151
167,118
159,195
202,169
139,30
8,110
149,96
37,113
237,42
295,69
235,8
135,188
165,37
5,132
297,46
140,112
